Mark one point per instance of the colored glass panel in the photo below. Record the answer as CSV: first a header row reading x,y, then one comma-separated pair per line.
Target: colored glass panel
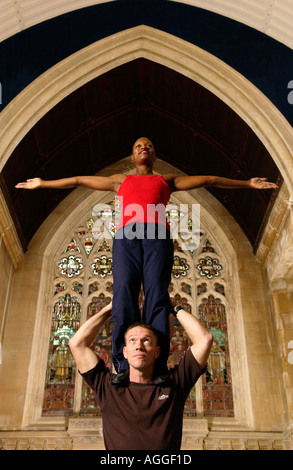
x,y
72,246
217,381
180,267
103,347
88,245
179,343
70,266
61,369
209,267
102,266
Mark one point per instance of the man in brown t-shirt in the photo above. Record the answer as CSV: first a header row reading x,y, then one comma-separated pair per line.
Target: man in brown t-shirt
x,y
140,415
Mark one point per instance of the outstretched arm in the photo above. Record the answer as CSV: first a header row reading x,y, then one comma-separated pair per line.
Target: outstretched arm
x,y
102,183
184,183
201,339
80,343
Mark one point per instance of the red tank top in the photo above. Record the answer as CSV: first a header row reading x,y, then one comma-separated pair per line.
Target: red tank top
x,y
143,199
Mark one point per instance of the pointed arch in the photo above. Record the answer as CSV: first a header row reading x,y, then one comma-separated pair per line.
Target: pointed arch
x,y
55,236
143,41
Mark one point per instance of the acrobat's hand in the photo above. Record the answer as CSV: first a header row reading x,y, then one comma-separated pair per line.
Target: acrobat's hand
x,y
261,183
33,183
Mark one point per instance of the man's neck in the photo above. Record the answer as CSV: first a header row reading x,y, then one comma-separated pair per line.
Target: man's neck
x,y
141,377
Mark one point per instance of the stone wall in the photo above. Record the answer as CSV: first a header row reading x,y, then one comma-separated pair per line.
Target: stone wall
x,y
261,331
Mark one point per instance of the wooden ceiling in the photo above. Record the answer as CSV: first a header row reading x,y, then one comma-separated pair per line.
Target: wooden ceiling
x,y
97,124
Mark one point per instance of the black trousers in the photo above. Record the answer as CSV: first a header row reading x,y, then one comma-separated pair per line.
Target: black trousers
x,y
142,254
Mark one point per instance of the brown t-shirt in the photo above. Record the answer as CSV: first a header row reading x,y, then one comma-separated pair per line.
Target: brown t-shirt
x,y
143,416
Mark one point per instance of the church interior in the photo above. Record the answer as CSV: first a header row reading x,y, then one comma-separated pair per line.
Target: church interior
x,y
211,84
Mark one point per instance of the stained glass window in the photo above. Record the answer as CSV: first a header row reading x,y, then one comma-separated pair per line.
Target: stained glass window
x,y
186,287
83,276
70,266
179,343
103,347
60,287
208,248
208,301
180,267
219,288
77,287
217,383
83,284
72,246
102,266
88,245
61,370
209,267
202,288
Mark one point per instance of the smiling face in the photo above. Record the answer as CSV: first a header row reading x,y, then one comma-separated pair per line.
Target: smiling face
x,y
141,348
143,152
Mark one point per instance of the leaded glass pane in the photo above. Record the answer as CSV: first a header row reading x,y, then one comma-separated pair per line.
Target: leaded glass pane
x,y
208,248
202,288
72,246
71,266
94,287
103,347
180,267
104,246
61,369
60,287
217,381
77,287
179,343
185,287
102,266
209,267
88,245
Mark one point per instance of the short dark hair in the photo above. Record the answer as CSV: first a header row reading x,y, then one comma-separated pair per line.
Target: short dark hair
x,y
139,139
147,326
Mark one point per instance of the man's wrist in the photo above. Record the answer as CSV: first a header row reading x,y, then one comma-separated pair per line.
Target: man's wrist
x,y
177,309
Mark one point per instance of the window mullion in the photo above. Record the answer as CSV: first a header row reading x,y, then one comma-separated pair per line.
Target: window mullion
x,y
83,318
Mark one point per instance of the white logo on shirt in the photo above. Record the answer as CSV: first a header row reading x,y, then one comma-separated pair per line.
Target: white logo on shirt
x,y
163,397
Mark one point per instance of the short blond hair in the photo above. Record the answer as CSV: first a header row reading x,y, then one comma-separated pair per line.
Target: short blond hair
x,y
147,326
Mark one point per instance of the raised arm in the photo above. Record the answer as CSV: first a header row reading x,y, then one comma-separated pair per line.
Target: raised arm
x,y
80,343
199,336
185,183
101,183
